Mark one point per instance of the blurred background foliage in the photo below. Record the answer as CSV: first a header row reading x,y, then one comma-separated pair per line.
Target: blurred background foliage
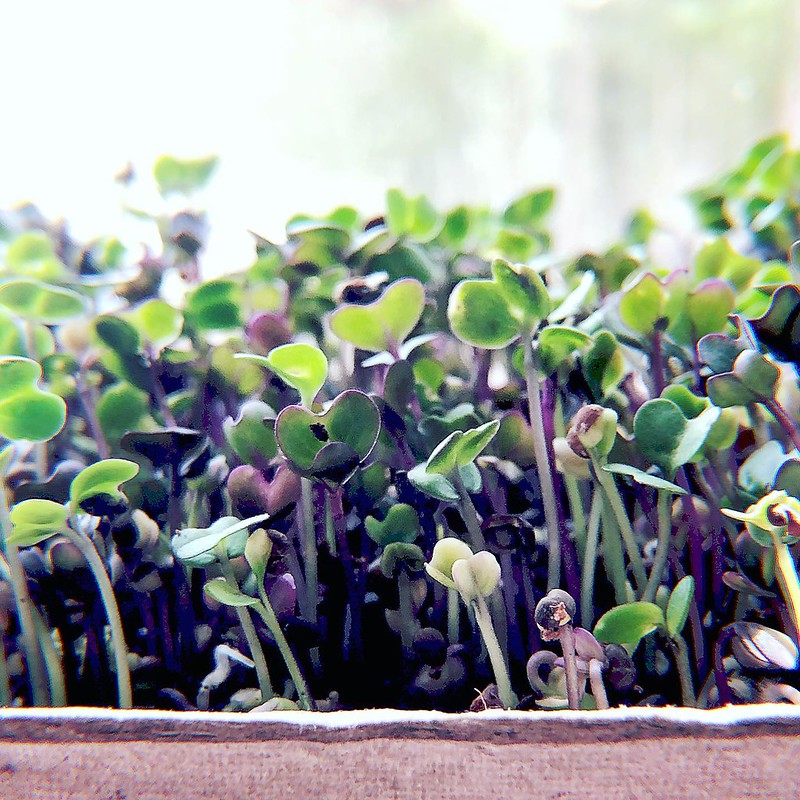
x,y
618,103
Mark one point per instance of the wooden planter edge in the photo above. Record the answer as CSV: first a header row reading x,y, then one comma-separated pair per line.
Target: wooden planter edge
x,y
61,725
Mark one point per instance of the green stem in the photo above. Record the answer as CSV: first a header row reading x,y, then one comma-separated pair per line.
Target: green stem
x,y
52,662
571,484
19,585
408,622
612,554
309,549
681,652
249,630
484,620
265,611
453,616
109,601
609,485
662,548
543,467
468,513
6,696
590,560
786,573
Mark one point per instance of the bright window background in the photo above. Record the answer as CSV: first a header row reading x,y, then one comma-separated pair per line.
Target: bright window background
x,y
315,103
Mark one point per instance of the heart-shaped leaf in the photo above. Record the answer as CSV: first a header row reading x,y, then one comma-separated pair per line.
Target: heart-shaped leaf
x,y
479,315
680,601
195,546
461,448
524,292
604,364
36,520
556,343
642,304
32,255
26,412
104,477
629,623
385,323
39,302
158,322
411,216
220,590
347,431
778,329
301,366
120,408
183,176
252,433
400,525
644,478
215,305
433,484
666,438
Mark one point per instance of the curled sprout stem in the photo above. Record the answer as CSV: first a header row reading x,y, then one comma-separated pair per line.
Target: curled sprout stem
x,y
596,682
566,636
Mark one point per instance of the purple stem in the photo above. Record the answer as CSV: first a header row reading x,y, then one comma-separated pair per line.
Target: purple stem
x,y
695,540
569,557
720,676
785,421
657,363
352,646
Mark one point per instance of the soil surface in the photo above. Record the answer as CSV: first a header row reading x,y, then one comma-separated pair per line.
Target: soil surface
x,y
465,757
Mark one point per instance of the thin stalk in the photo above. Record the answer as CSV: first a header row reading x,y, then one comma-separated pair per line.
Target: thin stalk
x,y
34,659
596,682
609,486
571,484
566,636
453,616
309,549
112,613
785,421
612,555
87,399
540,450
662,548
468,513
249,630
681,652
786,573
52,662
657,362
6,695
720,676
590,560
496,657
265,611
406,608
695,540
352,644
